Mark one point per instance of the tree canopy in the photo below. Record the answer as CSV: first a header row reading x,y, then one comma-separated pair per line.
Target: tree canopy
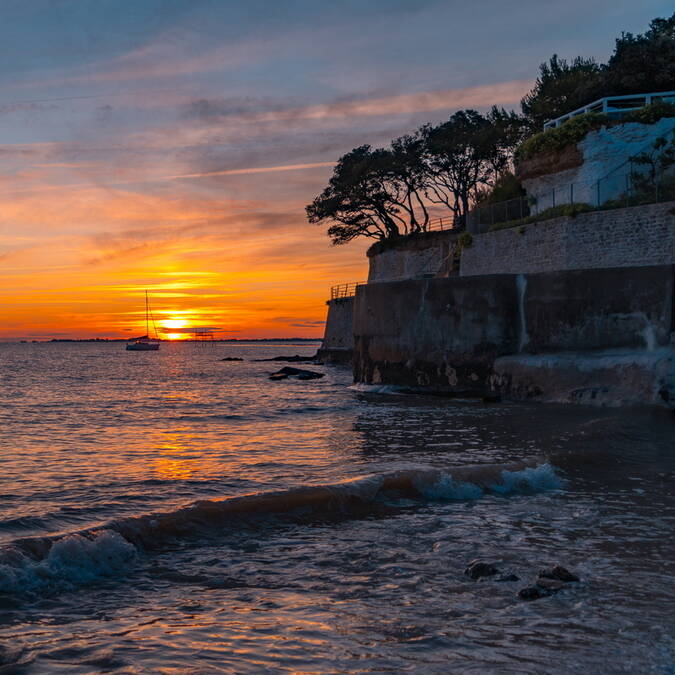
x,y
387,192
640,64
560,88
643,63
374,193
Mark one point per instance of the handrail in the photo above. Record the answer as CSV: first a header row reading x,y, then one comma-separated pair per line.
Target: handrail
x,y
440,224
345,290
603,105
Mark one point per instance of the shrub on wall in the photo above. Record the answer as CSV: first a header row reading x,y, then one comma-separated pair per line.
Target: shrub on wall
x,y
555,140
465,240
650,114
507,186
575,129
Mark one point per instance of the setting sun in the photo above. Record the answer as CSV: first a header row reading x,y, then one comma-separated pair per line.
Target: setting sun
x,y
175,323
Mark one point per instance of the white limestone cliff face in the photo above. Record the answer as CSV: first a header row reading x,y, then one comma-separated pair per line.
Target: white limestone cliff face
x,y
604,152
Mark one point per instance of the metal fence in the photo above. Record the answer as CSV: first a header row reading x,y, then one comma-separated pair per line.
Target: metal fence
x,y
344,290
441,224
614,106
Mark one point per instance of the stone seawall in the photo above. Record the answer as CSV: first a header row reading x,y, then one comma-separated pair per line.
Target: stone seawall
x,y
447,334
338,338
412,258
634,236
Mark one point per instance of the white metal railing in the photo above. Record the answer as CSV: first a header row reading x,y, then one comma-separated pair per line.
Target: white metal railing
x,y
614,105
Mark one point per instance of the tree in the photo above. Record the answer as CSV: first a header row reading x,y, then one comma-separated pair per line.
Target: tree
x,y
643,63
657,161
468,152
374,193
410,175
560,88
503,134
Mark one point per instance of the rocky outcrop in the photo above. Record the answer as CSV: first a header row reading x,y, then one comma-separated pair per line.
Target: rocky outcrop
x,y
478,569
297,373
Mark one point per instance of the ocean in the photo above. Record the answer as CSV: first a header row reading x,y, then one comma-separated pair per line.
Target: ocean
x,y
170,512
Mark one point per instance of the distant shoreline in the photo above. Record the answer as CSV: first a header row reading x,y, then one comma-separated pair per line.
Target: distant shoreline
x,y
51,340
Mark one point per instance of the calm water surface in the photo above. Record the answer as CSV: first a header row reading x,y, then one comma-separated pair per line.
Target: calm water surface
x,y
123,550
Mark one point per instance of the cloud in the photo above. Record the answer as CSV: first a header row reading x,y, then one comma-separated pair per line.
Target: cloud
x,y
253,170
252,110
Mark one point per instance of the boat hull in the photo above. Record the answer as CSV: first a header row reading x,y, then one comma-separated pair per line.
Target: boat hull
x,y
143,347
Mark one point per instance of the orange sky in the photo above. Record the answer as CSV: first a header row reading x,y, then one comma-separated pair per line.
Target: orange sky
x,y
172,146
204,261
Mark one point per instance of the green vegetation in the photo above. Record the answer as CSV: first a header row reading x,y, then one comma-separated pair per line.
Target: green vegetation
x,y
465,240
575,129
555,140
507,186
560,88
650,114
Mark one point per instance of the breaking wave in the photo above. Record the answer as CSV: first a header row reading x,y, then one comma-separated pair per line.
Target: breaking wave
x,y
82,557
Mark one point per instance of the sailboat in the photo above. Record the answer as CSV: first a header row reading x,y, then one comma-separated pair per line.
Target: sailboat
x,y
145,343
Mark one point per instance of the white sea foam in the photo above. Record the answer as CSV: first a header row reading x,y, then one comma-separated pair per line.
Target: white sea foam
x,y
376,388
72,560
446,487
539,478
527,480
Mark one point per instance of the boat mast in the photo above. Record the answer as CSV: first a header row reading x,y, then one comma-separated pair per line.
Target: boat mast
x,y
147,328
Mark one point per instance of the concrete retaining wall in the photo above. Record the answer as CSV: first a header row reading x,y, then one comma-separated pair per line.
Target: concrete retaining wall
x,y
446,334
638,235
338,338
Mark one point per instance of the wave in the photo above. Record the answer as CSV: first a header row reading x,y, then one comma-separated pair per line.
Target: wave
x,y
363,388
72,559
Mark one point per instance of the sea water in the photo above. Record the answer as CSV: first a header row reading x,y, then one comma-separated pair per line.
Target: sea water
x,y
170,512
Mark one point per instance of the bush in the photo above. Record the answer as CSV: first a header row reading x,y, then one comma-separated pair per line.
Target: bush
x,y
575,129
650,114
465,240
569,133
506,187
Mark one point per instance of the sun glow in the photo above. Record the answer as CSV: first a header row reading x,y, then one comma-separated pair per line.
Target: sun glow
x,y
175,323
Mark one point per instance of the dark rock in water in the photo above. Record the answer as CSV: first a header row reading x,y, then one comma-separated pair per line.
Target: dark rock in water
x,y
288,371
309,376
231,358
290,359
478,569
532,593
508,577
552,585
491,398
560,573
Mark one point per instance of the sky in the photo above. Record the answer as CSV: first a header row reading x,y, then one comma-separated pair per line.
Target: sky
x,y
171,145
